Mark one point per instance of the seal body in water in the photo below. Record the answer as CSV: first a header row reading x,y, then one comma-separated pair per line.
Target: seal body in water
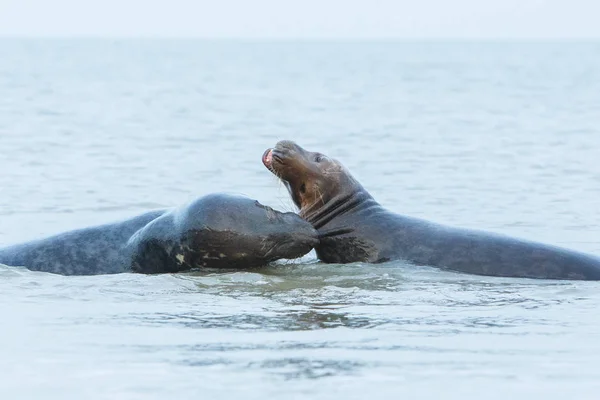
x,y
214,231
330,198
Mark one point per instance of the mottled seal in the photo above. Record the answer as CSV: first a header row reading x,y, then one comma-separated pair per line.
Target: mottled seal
x,y
214,231
329,198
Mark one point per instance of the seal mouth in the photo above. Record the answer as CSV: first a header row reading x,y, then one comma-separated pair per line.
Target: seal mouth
x,y
270,158
267,158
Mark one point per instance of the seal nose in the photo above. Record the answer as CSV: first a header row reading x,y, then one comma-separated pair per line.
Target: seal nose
x,y
296,224
308,238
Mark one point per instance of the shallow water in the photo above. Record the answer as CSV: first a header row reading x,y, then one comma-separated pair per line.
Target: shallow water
x,y
496,136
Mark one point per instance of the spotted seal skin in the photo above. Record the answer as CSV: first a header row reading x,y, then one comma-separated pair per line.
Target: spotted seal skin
x,y
329,197
95,250
214,231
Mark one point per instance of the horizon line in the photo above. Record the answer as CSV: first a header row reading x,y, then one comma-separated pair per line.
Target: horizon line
x,y
298,38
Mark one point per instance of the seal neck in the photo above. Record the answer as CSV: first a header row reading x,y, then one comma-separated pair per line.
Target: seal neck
x,y
320,215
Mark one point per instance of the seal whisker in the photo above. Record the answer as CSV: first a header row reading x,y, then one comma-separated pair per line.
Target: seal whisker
x,y
320,195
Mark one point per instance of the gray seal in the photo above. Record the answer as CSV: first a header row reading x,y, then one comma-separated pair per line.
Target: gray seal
x,y
214,231
329,197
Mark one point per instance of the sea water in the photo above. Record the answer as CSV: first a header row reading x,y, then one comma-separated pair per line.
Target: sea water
x,y
501,136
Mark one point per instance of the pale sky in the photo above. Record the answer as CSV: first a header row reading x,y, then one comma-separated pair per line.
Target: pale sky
x,y
303,18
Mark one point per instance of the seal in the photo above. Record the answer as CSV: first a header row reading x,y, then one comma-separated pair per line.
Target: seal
x,y
214,231
329,197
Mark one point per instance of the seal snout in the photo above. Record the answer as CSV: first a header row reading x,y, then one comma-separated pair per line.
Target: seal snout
x,y
273,158
267,158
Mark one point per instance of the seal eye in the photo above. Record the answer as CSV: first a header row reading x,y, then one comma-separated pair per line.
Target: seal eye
x,y
319,158
303,188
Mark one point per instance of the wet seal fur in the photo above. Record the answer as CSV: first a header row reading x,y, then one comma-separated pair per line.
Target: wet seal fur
x,y
214,231
330,198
